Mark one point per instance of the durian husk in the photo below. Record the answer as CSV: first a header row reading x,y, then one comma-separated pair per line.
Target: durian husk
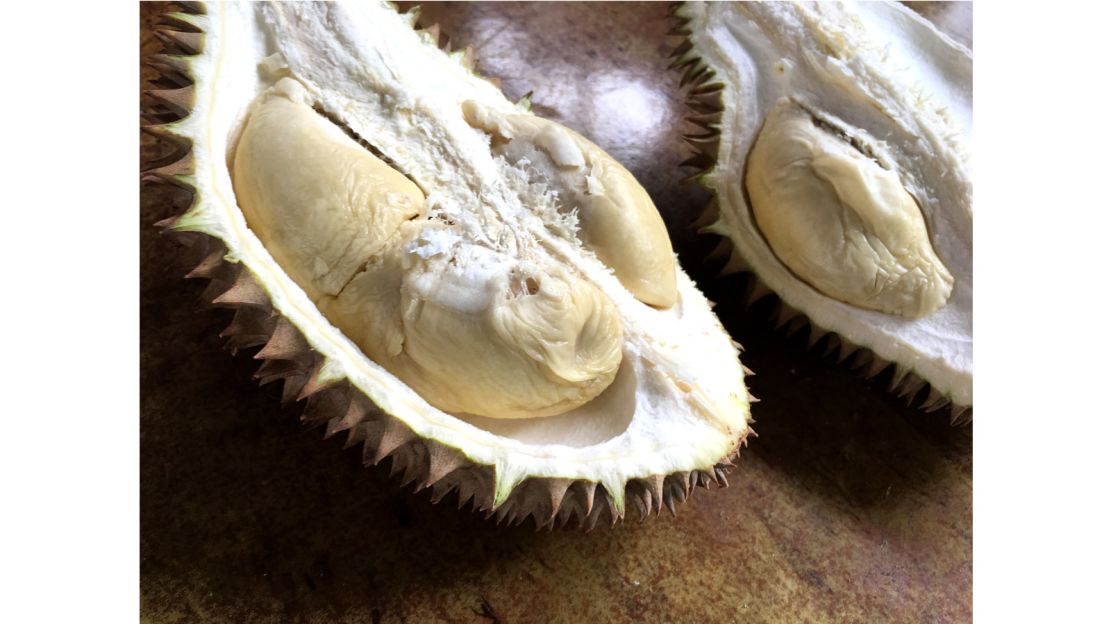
x,y
703,96
335,405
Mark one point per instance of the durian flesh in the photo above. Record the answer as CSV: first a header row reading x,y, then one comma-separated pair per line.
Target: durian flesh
x,y
842,174
472,328
540,349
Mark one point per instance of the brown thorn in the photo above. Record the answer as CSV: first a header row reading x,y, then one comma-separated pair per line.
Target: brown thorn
x,y
189,6
463,495
394,435
590,522
286,343
845,351
611,506
321,408
564,518
209,265
170,63
187,42
710,136
815,336
356,412
719,471
655,485
442,461
910,388
680,61
272,370
292,387
169,223
693,73
316,382
160,131
682,49
438,494
180,99
172,21
901,377
876,366
247,329
557,490
588,491
707,88
356,435
681,484
243,292
703,107
669,502
413,467
934,401
638,497
169,173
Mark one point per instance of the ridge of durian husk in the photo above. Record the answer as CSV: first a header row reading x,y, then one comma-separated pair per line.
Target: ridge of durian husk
x,y
336,405
702,93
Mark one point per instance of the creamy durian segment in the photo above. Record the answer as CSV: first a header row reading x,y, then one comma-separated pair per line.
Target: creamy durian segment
x,y
839,220
470,328
320,202
616,217
477,331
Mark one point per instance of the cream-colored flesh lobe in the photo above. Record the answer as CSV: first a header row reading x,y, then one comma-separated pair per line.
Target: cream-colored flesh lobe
x,y
840,221
617,219
319,201
472,329
477,332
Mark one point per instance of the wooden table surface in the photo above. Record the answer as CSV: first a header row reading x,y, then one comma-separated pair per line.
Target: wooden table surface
x,y
849,507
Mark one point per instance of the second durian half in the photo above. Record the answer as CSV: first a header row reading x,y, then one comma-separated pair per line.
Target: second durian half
x,y
482,295
837,143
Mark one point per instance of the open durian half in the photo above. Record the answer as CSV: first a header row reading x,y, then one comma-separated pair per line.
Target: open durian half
x,y
482,295
836,140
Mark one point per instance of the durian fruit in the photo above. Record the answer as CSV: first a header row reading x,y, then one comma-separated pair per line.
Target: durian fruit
x,y
836,142
479,294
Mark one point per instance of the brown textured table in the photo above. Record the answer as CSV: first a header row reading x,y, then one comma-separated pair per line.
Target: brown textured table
x,y
848,507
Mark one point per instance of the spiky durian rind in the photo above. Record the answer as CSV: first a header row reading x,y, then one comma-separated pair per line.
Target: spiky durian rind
x,y
703,96
331,401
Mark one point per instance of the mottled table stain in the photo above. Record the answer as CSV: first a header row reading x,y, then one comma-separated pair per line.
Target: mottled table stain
x,y
849,507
